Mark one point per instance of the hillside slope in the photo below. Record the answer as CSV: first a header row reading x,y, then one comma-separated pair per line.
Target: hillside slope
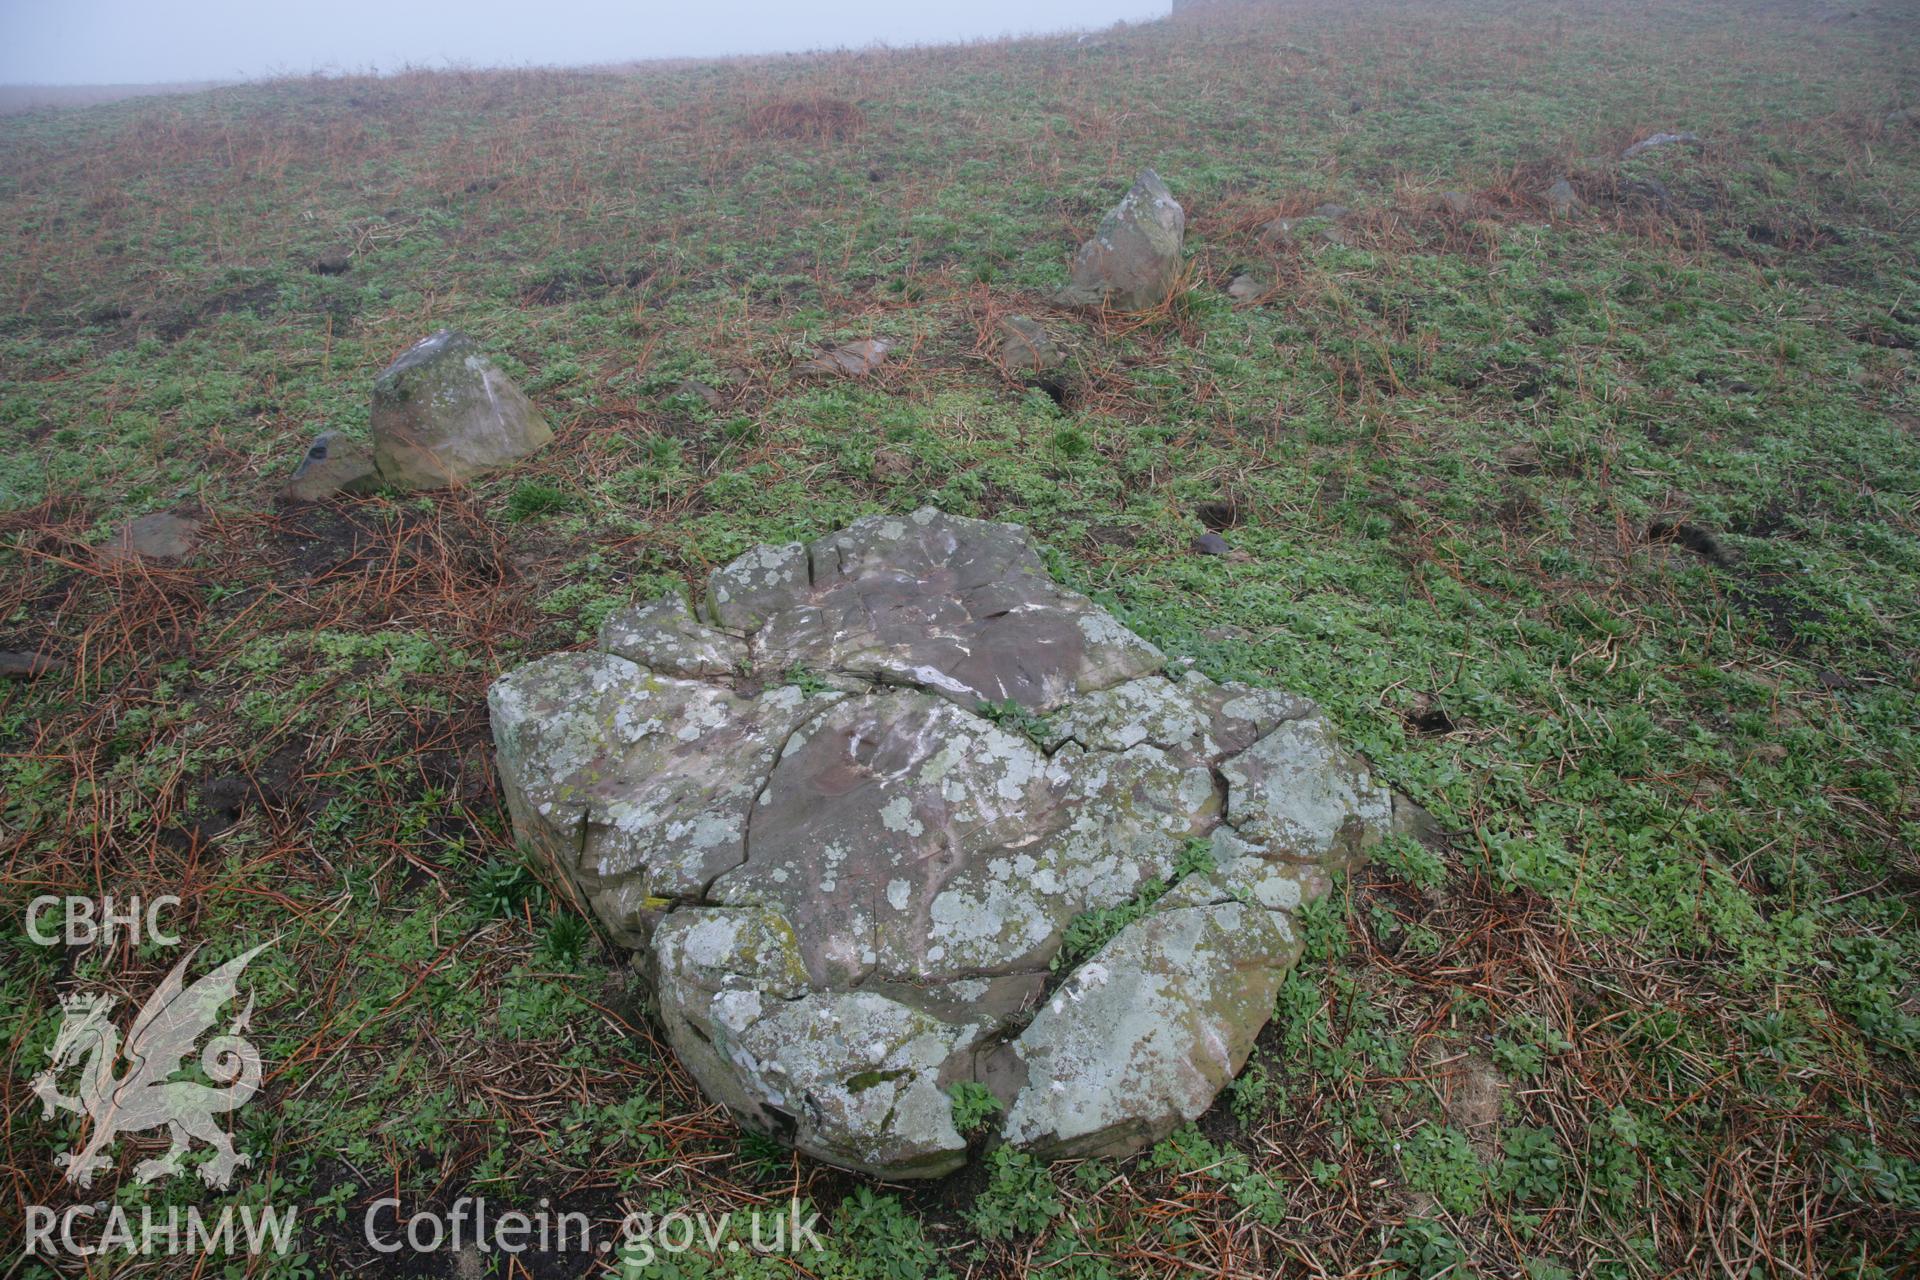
x,y
1600,535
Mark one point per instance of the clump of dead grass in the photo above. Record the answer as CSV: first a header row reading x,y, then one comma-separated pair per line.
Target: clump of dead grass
x,y
808,119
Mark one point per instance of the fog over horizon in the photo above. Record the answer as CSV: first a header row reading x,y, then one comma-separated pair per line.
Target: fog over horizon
x,y
108,42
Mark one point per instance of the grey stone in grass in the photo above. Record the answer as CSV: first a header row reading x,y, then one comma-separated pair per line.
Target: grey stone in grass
x,y
1025,346
851,892
160,537
1134,260
1246,288
333,463
854,360
444,414
1657,140
1561,199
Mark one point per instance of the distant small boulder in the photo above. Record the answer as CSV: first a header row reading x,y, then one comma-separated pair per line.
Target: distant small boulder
x,y
443,414
334,262
1561,199
854,360
1245,288
1657,140
1134,260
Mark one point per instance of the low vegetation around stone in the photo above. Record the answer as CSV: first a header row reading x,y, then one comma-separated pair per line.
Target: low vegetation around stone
x,y
1535,394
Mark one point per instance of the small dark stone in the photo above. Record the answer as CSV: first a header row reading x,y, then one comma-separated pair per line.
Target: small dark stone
x,y
16,665
334,262
1210,544
1833,680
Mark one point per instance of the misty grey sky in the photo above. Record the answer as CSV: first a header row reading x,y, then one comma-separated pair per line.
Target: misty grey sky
x,y
140,41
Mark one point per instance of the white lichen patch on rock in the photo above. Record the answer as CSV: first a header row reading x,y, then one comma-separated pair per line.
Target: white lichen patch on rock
x,y
850,891
443,415
1133,262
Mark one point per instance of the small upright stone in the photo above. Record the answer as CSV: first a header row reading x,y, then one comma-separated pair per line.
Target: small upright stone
x,y
443,414
1561,200
1133,262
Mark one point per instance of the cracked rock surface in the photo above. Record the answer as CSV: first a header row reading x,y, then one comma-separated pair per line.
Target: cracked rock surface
x,y
852,810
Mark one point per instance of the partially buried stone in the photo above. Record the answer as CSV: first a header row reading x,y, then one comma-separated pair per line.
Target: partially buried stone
x,y
333,463
876,875
1245,288
1025,346
1561,199
159,537
854,360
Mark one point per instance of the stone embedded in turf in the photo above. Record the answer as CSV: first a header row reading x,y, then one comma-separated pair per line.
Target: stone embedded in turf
x,y
862,885
333,463
1133,262
161,537
1025,346
854,360
443,415
1562,201
1246,288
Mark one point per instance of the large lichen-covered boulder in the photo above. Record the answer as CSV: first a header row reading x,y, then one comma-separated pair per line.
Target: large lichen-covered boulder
x,y
444,414
1133,262
892,810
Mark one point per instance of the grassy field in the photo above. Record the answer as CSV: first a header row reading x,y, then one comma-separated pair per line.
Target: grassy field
x,y
1600,536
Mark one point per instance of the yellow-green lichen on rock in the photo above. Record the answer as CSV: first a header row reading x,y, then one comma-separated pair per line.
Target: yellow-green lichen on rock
x,y
855,891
